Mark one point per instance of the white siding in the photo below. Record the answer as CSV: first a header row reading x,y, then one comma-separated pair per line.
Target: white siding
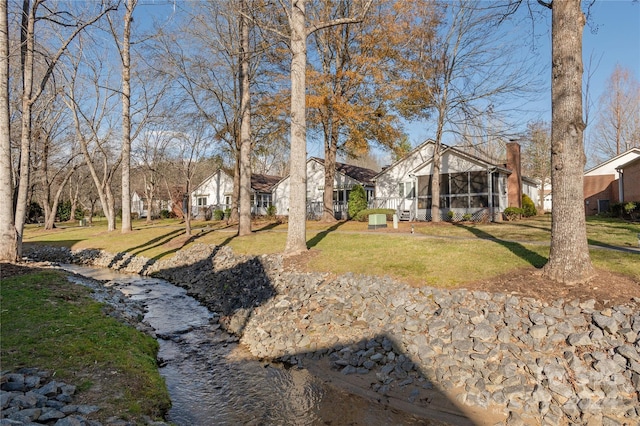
x,y
609,167
214,188
387,181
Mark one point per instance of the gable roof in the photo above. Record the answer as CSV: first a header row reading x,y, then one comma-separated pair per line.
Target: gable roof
x,y
361,174
407,155
632,153
263,183
628,164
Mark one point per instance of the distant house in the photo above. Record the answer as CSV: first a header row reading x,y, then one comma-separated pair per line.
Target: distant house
x,y
216,192
602,184
346,177
480,187
161,201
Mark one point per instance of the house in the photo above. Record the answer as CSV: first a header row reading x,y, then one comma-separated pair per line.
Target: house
x,y
346,177
629,181
216,192
161,201
480,187
602,184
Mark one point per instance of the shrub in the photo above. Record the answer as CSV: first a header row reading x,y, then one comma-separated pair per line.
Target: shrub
x,y
512,213
164,214
227,213
466,217
357,200
271,211
134,215
450,215
528,207
64,211
363,215
34,212
218,214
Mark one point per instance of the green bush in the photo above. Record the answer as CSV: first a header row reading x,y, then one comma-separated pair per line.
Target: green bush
x,y
164,214
450,215
218,214
528,207
467,217
271,211
227,213
363,215
512,213
357,201
64,211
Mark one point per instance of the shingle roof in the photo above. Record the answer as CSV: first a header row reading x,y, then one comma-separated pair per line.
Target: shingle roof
x,y
263,183
360,174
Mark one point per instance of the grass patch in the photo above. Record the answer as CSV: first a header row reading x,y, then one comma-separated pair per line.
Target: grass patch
x,y
51,324
466,251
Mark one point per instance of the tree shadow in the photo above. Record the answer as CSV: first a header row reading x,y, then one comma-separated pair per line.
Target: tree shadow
x,y
516,248
236,289
322,234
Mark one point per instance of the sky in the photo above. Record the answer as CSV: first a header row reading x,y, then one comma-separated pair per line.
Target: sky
x,y
611,36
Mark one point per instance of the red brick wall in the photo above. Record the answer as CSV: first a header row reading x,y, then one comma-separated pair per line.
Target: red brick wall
x,y
631,181
603,187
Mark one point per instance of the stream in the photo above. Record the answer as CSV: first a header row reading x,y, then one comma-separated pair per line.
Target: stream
x,y
212,379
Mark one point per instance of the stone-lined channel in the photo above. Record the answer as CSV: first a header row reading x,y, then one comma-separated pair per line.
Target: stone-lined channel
x,y
212,379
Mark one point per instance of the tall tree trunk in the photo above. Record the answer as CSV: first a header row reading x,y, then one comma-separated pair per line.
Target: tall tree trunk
x,y
126,117
569,260
244,226
296,235
435,179
27,47
330,151
8,249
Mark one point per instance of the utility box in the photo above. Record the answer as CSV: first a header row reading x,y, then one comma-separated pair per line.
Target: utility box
x,y
377,221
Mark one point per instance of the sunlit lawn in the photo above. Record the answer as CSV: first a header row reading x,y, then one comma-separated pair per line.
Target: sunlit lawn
x,y
436,254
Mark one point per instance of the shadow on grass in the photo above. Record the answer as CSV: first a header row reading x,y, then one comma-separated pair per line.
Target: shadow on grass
x,y
267,227
516,248
322,234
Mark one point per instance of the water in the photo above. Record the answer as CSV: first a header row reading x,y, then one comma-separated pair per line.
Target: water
x,y
212,380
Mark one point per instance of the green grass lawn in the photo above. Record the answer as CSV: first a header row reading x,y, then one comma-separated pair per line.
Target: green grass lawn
x,y
443,254
48,323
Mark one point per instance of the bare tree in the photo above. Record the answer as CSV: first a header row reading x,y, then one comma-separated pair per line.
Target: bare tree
x,y
244,225
8,241
569,260
188,148
92,107
32,89
537,155
474,74
125,55
298,32
617,128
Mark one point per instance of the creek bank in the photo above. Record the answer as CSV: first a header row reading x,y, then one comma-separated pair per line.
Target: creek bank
x,y
532,362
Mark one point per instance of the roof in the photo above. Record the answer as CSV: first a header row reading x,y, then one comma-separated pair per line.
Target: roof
x,y
629,164
263,183
361,174
633,152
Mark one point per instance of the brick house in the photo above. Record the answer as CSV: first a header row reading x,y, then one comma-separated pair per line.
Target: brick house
x,y
602,183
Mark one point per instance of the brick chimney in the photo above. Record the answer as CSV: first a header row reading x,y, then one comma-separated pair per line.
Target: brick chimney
x,y
514,182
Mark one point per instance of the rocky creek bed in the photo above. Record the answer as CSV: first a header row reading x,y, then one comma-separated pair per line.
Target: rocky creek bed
x,y
498,358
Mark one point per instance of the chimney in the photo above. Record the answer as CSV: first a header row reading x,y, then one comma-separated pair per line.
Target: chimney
x,y
514,182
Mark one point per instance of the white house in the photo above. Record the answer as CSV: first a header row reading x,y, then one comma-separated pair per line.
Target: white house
x,y
346,177
468,184
216,193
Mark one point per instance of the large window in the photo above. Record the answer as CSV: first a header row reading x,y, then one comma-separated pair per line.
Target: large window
x,y
202,201
458,190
